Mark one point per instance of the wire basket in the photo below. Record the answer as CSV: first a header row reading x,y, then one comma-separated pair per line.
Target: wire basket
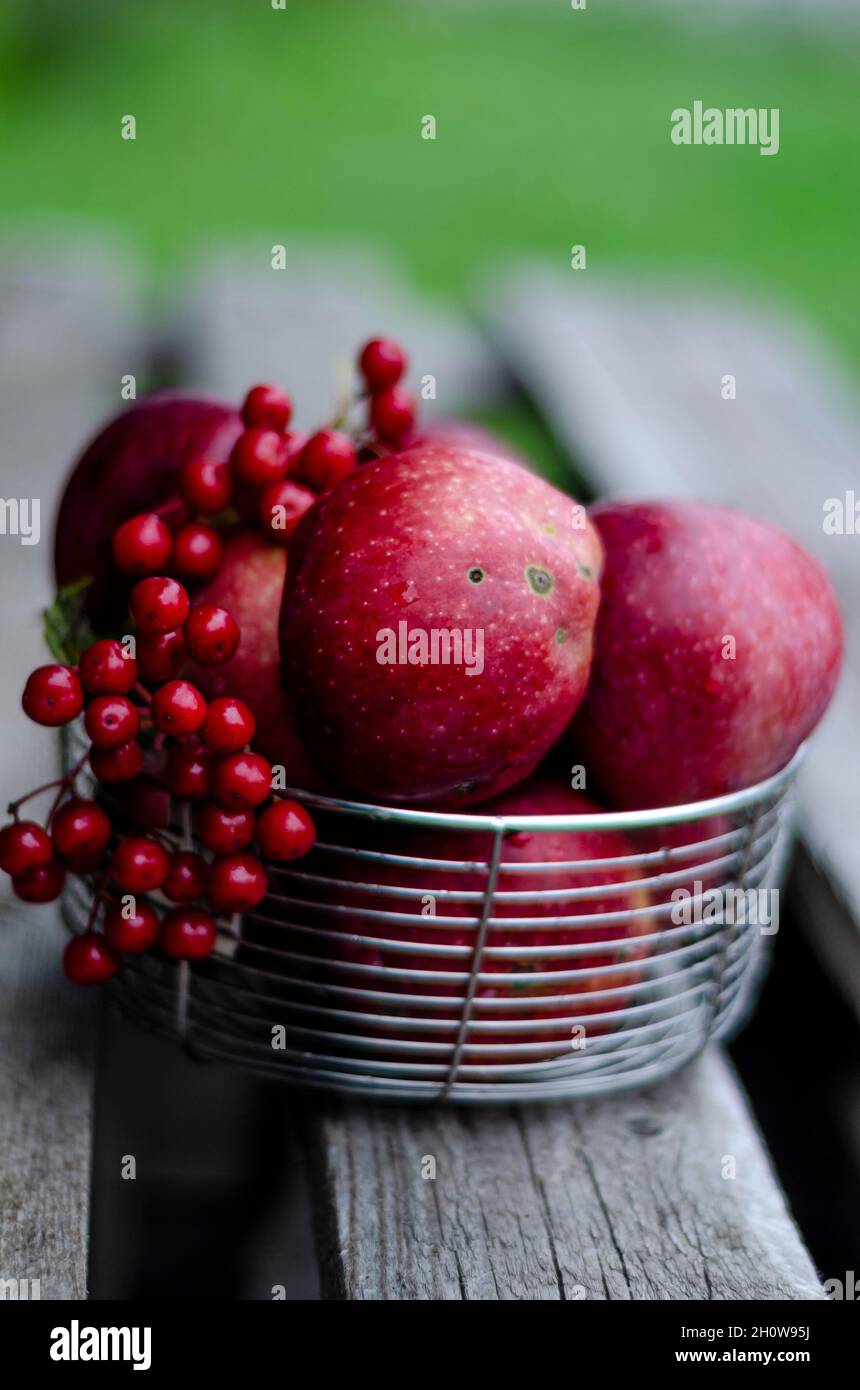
x,y
425,957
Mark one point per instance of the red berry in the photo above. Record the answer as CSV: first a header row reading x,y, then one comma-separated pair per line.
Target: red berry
x,y
187,877
178,708
211,633
41,885
187,933
24,845
282,507
242,779
259,457
197,551
116,764
187,771
285,831
160,655
53,695
382,363
237,883
139,865
112,720
133,933
229,726
267,408
80,829
159,604
206,486
392,413
225,832
142,545
89,960
327,457
105,669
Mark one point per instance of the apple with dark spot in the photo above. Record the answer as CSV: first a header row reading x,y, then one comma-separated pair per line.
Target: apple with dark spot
x,y
718,649
437,624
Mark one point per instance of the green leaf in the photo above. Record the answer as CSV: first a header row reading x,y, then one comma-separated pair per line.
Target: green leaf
x,y
66,627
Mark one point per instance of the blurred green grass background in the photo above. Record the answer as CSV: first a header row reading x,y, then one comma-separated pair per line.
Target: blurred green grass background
x,y
553,128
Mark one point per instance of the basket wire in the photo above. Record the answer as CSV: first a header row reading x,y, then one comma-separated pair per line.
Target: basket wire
x,y
337,982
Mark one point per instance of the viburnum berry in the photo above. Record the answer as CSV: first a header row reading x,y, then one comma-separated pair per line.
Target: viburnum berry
x,y
80,829
242,779
53,695
159,604
259,457
285,831
392,413
111,721
178,708
42,885
106,669
237,883
327,457
197,551
211,633
130,932
206,486
24,845
121,764
160,655
139,865
267,408
187,877
187,933
222,831
382,363
89,960
187,771
282,506
142,545
230,725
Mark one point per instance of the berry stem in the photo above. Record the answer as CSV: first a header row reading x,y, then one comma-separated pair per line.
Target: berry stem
x,y
61,783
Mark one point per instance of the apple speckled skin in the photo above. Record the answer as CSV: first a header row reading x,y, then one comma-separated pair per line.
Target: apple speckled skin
x,y
668,717
131,466
438,538
249,585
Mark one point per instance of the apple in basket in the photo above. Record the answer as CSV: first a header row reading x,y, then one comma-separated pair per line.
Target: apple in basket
x,y
526,977
437,623
717,650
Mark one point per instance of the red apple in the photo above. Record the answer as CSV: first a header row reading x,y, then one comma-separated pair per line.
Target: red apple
x,y
718,648
249,585
131,466
432,554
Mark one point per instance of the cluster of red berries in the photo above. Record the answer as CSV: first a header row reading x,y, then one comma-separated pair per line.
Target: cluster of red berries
x,y
146,724
273,474
202,754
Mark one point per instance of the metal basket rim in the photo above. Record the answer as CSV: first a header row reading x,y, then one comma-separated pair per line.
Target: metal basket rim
x,y
651,818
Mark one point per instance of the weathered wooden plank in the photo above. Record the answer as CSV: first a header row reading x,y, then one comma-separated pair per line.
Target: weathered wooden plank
x,y
663,1194
65,339
301,326
631,379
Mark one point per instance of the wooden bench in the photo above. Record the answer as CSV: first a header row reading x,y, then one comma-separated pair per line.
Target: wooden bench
x,y
628,1197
